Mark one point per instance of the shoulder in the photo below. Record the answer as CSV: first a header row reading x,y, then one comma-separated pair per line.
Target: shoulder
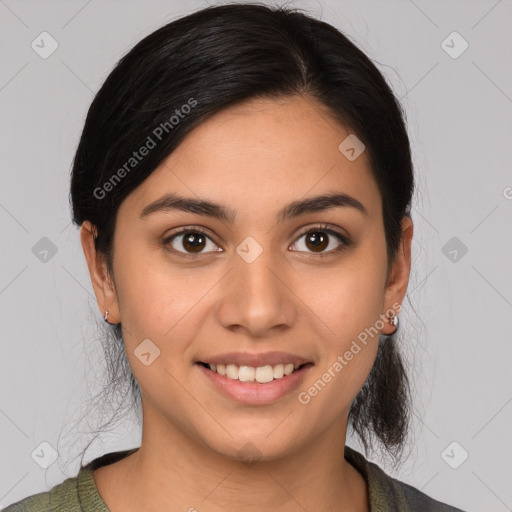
x,y
418,500
62,495
389,494
76,494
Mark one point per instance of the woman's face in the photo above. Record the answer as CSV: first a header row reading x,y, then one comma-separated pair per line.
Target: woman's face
x,y
254,283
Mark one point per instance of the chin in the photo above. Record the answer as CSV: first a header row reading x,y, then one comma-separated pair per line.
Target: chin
x,y
256,446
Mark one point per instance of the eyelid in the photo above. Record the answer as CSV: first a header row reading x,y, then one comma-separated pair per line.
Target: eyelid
x,y
326,228
192,228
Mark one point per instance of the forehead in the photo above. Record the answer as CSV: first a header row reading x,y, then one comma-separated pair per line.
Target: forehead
x,y
259,155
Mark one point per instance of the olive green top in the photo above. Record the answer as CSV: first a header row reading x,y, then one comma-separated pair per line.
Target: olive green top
x,y
80,494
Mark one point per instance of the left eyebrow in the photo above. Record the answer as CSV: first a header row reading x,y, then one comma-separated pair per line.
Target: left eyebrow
x,y
170,202
319,204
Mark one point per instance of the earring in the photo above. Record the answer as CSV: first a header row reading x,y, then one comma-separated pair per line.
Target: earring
x,y
394,321
106,317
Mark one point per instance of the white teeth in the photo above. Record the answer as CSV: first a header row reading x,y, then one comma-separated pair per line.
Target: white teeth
x,y
246,373
231,371
261,374
278,371
264,374
289,368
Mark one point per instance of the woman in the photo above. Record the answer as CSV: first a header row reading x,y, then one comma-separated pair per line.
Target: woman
x,y
243,186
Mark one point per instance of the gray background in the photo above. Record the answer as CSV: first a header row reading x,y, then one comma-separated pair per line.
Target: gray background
x,y
459,317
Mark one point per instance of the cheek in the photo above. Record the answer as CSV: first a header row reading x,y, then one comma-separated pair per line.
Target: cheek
x,y
157,303
348,346
352,345
350,298
153,294
166,304
349,303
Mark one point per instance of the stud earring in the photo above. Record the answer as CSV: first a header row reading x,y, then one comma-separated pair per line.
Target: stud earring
x,y
394,321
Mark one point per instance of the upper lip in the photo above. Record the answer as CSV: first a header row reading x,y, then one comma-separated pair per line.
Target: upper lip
x,y
255,360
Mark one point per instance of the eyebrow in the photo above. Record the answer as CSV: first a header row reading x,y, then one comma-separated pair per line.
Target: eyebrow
x,y
172,202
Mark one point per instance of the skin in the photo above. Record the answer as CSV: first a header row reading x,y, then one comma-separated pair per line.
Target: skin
x,y
288,299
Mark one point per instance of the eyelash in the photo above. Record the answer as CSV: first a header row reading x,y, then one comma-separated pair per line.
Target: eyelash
x,y
345,241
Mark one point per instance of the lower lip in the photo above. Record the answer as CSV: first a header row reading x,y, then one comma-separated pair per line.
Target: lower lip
x,y
255,393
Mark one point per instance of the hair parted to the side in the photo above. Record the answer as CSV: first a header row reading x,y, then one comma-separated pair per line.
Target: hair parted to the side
x,y
220,56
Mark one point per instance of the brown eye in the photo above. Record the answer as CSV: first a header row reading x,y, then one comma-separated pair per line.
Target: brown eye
x,y
190,242
318,239
194,242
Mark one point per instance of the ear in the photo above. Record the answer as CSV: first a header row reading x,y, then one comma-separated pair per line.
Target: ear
x,y
399,274
102,283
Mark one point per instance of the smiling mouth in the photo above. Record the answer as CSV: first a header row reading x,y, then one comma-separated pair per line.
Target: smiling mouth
x,y
261,374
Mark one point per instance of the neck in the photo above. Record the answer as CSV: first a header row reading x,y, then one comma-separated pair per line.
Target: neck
x,y
172,471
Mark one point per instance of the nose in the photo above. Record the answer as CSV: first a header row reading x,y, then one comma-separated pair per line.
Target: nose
x,y
257,297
